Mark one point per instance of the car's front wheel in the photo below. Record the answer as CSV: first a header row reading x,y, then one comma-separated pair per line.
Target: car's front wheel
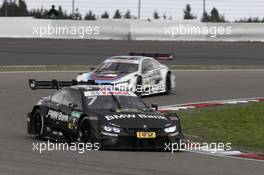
x,y
85,134
38,124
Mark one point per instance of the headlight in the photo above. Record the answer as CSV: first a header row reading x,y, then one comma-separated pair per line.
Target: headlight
x,y
111,129
170,129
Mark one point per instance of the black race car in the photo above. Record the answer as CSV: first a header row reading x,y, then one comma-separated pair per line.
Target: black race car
x,y
82,112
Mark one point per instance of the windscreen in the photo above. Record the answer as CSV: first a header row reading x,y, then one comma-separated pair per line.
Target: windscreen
x,y
114,101
117,67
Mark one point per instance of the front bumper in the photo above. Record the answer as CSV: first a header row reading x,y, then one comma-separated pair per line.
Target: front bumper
x,y
129,140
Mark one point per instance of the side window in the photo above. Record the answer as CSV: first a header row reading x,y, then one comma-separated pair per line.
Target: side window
x,y
147,66
72,96
156,64
58,97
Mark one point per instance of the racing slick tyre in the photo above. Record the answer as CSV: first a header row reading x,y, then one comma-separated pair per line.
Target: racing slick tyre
x,y
168,84
85,133
38,124
138,86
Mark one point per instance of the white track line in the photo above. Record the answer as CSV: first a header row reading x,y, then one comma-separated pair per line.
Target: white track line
x,y
183,70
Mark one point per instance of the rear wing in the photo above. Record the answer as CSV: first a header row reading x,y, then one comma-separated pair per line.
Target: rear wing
x,y
55,84
158,56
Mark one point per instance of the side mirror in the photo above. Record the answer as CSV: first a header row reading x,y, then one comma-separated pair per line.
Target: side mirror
x,y
92,68
73,105
154,106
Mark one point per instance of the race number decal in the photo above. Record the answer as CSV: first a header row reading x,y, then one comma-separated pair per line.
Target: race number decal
x,y
92,100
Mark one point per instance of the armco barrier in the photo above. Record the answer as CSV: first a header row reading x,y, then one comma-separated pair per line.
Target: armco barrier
x,y
23,27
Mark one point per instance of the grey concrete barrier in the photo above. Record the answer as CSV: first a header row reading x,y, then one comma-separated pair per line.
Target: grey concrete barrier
x,y
11,27
167,30
163,30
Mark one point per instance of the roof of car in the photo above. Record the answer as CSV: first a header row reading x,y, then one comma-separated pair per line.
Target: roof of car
x,y
124,57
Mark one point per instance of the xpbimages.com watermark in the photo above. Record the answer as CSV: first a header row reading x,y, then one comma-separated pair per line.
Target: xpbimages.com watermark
x,y
187,29
148,89
192,146
80,148
58,30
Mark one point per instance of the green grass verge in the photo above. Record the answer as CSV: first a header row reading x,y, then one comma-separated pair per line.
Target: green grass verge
x,y
242,125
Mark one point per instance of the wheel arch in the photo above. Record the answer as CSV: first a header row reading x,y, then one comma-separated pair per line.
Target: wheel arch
x,y
93,124
30,116
80,120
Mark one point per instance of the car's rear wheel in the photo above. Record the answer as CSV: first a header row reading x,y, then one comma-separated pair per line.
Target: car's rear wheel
x,y
168,84
38,124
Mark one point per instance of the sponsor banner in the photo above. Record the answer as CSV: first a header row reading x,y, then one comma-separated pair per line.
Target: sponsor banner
x,y
134,116
55,115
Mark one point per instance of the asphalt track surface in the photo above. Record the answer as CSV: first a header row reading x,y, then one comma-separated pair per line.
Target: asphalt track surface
x,y
48,51
17,157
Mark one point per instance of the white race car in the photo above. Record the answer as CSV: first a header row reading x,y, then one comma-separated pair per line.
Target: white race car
x,y
143,75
